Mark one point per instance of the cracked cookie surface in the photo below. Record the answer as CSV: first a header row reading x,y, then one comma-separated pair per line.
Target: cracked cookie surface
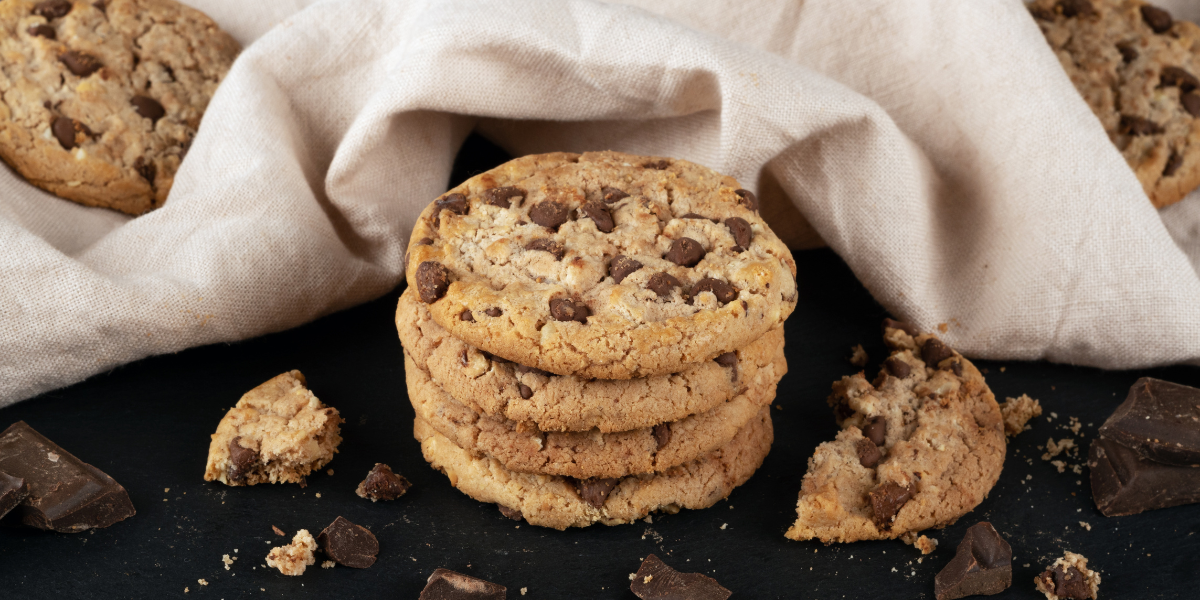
x,y
100,100
602,265
1137,69
920,446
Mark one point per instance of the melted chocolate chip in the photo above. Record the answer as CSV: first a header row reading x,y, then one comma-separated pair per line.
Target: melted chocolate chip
x,y
466,315
565,309
80,63
67,132
502,196
658,165
956,368
1077,8
241,460
612,194
1132,125
493,312
662,434
432,281
1128,52
525,391
868,453
146,169
621,266
547,245
897,367
1178,77
52,9
722,290
875,430
886,502
148,107
1173,163
382,484
549,214
598,213
455,203
693,215
510,513
43,30
747,199
1191,103
742,233
662,284
595,491
934,352
425,241
1157,19
728,359
685,252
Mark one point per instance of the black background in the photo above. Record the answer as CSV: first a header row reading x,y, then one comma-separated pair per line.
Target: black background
x,y
148,423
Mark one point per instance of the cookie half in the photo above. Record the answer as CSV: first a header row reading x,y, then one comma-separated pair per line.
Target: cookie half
x,y
920,446
562,502
602,265
492,386
102,99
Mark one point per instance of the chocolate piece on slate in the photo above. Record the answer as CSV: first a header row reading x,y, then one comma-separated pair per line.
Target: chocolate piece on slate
x,y
65,494
657,581
1159,420
349,544
982,566
1124,483
382,484
12,491
445,584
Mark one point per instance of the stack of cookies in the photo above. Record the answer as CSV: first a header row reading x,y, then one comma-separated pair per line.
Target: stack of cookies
x,y
589,338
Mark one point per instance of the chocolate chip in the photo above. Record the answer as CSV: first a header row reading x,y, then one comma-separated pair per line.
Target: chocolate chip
x,y
868,453
693,215
934,352
80,63
455,203
43,30
432,281
982,565
897,367
662,434
747,198
466,315
1173,163
511,513
241,460
662,284
875,430
722,290
1128,52
349,544
1158,19
493,312
655,580
956,368
886,502
598,213
1191,103
52,9
550,214
902,326
67,131
145,168
148,107
657,165
1177,77
1068,583
621,266
742,233
464,358
445,584
595,491
612,194
547,245
565,309
685,252
728,359
382,484
1077,8
502,196
425,241
1132,125
526,392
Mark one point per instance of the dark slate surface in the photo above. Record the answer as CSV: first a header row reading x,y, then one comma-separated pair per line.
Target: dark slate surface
x,y
147,424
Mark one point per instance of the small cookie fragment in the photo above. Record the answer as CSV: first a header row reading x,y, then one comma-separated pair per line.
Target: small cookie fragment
x,y
12,491
445,584
382,483
982,565
1069,577
858,356
1017,412
349,544
293,558
655,580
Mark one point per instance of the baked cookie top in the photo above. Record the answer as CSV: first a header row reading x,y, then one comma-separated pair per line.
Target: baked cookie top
x,y
603,265
100,100
1137,69
920,446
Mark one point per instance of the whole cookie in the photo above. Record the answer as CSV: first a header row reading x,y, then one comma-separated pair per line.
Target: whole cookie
x,y
492,386
521,447
562,502
101,99
603,265
920,446
1137,69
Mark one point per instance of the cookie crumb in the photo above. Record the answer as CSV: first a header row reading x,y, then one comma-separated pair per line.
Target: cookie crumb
x,y
724,525
1068,577
1055,448
523,590
329,472
201,582
278,531
858,356
293,558
1017,412
318,494
227,560
328,564
1085,525
1060,465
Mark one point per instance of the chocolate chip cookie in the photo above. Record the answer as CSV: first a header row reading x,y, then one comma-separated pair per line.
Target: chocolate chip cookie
x,y
1137,69
920,446
492,386
100,100
602,265
562,502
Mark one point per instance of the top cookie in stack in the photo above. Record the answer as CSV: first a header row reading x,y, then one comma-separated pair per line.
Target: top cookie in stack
x,y
589,338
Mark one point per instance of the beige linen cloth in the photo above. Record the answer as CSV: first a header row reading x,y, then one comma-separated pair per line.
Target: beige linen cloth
x,y
936,145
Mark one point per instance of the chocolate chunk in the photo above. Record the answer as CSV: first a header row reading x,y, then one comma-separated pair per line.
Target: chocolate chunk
x,y
742,233
445,584
565,309
349,544
148,107
525,391
68,131
934,352
432,281
493,312
897,367
145,168
657,165
868,453
1125,483
662,284
549,214
598,213
1128,52
66,494
52,9
502,196
382,484
956,368
1173,163
662,434
241,460
612,194
722,290
1068,583
902,326
693,215
466,315
981,566
875,429
13,490
1178,77
657,581
747,199
455,203
80,63
1077,8
1131,125
595,490
886,502
1156,18
43,30
728,359
621,266
511,513
547,245
1160,421
685,252
1191,103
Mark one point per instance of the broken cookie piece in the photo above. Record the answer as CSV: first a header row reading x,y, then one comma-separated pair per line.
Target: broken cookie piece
x,y
982,566
382,483
349,544
293,558
1069,578
655,580
1017,412
445,584
279,432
